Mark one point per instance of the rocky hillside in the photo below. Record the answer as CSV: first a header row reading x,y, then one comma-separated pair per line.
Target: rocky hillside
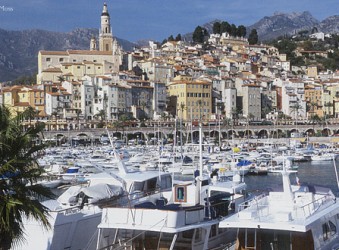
x,y
329,25
283,24
19,49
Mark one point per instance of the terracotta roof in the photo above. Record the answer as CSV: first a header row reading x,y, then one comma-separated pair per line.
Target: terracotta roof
x,y
190,82
144,87
22,104
79,52
138,81
56,53
53,93
251,85
54,70
104,77
89,52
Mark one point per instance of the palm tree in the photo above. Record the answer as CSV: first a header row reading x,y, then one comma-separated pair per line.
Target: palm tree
x,y
78,112
19,201
31,113
227,123
61,79
315,119
102,116
143,106
295,109
236,112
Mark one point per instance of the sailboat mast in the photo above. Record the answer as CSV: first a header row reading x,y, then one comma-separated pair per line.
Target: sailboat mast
x,y
200,150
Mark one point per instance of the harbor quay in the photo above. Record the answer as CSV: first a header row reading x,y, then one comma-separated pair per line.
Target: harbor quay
x,y
212,133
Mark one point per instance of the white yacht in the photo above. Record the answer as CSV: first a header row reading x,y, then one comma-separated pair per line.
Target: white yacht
x,y
75,215
299,217
184,217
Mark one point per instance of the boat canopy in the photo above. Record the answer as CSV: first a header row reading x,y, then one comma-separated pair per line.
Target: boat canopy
x,y
95,193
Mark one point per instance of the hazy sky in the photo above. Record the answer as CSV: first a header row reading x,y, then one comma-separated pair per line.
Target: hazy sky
x,y
149,19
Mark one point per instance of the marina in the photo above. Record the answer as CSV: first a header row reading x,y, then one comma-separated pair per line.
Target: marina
x,y
154,215
224,137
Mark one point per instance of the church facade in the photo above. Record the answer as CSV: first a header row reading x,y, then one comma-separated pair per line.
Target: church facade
x,y
103,57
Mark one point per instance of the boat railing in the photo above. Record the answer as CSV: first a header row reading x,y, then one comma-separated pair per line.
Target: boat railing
x,y
254,201
308,209
76,209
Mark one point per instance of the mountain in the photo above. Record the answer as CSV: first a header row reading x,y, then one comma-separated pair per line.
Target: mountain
x,y
19,49
281,24
329,25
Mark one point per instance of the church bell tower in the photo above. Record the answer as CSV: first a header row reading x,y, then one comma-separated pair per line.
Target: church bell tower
x,y
105,36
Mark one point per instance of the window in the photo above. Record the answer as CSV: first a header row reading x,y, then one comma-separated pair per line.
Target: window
x,y
329,229
152,184
188,234
61,59
137,186
166,182
78,67
180,194
213,231
48,59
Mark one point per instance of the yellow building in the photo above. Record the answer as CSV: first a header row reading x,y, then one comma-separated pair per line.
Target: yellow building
x,y
312,71
194,99
314,99
19,98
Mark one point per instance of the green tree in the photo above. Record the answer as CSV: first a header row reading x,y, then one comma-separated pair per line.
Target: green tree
x,y
170,38
233,31
241,31
295,110
199,34
18,166
31,114
102,116
253,37
236,113
61,79
164,41
225,27
216,28
178,37
25,80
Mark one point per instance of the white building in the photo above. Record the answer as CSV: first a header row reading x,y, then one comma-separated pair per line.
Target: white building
x,y
293,98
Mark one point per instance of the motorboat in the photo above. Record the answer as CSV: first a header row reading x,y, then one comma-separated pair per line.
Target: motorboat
x,y
76,214
184,217
298,217
323,157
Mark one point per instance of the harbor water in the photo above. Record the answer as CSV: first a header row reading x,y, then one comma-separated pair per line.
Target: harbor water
x,y
310,172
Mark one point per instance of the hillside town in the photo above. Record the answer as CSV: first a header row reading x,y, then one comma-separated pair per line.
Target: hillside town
x,y
224,78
